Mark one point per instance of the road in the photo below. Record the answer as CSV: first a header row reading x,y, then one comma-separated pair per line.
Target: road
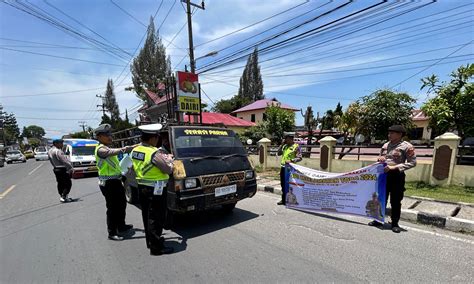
x,y
44,241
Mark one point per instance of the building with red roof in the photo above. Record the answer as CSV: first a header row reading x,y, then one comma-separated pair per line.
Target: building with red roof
x,y
255,112
421,133
223,119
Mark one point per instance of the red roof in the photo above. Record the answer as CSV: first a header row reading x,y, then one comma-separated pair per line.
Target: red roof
x,y
155,98
418,115
262,104
222,118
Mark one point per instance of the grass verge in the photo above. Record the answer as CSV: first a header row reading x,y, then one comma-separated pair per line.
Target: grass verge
x,y
453,193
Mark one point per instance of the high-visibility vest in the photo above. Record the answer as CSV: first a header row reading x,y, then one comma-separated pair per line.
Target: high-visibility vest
x,y
109,168
147,173
289,153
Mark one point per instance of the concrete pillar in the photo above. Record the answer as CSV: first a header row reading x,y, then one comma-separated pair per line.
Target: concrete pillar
x,y
326,152
263,146
444,158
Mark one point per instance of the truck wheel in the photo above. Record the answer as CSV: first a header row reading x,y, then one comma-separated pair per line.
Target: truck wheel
x,y
228,208
131,194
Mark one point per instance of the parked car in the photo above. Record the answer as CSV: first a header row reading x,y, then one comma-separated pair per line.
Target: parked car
x,y
29,154
15,156
41,153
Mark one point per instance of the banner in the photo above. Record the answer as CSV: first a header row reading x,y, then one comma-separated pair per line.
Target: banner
x,y
359,192
188,92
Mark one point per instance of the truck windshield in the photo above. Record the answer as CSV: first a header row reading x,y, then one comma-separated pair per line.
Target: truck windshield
x,y
198,142
83,151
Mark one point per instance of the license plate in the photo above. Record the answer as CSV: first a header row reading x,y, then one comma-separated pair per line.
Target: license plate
x,y
220,191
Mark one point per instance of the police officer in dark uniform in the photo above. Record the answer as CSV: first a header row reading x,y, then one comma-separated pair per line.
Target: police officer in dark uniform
x,y
399,156
152,169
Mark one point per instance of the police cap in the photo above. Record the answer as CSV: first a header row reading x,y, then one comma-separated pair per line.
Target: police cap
x,y
397,128
289,134
103,129
151,128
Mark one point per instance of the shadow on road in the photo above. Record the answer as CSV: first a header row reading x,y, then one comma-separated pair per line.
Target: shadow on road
x,y
322,215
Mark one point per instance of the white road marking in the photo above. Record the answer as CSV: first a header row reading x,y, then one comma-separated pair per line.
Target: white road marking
x,y
440,235
3,194
35,169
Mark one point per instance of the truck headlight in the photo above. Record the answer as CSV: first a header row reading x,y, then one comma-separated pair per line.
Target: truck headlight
x,y
248,174
190,183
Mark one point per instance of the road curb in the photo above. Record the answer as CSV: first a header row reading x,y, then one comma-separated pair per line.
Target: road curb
x,y
448,223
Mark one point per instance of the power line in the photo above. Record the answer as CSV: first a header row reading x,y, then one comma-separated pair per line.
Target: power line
x,y
62,57
208,97
47,118
130,15
167,14
60,93
254,24
435,63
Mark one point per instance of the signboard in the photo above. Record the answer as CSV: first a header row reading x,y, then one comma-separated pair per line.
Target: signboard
x,y
188,92
360,192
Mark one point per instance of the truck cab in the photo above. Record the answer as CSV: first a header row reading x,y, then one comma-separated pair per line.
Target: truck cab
x,y
211,169
81,154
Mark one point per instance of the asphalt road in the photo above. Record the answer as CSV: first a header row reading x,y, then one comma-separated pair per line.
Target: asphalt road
x,y
44,241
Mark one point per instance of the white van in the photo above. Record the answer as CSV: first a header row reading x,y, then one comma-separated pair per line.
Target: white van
x,y
80,153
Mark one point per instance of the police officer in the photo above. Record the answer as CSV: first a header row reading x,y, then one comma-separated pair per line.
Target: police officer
x,y
399,156
290,153
152,171
110,182
62,169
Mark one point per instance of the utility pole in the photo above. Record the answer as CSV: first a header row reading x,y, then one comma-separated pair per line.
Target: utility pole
x,y
190,31
102,105
83,125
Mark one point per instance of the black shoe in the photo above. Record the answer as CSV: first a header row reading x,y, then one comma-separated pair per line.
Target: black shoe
x,y
396,229
125,228
374,224
162,250
281,203
115,238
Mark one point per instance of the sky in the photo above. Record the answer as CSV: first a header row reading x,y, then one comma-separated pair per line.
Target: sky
x,y
349,54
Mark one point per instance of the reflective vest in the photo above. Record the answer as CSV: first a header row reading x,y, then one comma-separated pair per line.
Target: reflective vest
x,y
289,153
147,173
109,168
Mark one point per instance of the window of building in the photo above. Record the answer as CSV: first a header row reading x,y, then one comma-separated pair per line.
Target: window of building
x,y
252,117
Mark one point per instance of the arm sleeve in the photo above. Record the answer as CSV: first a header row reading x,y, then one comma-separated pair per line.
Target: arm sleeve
x,y
161,163
105,152
62,158
299,156
410,160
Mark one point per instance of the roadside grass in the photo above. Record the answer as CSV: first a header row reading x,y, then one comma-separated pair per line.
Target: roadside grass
x,y
452,193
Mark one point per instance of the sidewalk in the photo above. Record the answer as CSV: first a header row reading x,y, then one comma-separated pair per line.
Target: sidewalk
x,y
458,217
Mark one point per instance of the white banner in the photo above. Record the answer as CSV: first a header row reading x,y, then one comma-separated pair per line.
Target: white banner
x,y
359,192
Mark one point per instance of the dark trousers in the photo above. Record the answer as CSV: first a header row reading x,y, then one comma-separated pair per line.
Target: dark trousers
x,y
282,183
153,214
116,204
395,188
64,181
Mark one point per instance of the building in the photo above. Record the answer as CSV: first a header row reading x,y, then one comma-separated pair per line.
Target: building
x,y
222,119
155,107
421,133
255,112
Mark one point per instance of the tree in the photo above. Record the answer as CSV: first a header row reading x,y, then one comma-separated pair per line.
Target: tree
x,y
349,122
11,129
331,116
151,65
110,102
255,133
278,121
251,84
224,106
452,107
33,131
382,109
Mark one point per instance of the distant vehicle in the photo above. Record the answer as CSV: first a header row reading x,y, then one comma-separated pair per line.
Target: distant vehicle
x,y
81,154
15,156
29,154
41,153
